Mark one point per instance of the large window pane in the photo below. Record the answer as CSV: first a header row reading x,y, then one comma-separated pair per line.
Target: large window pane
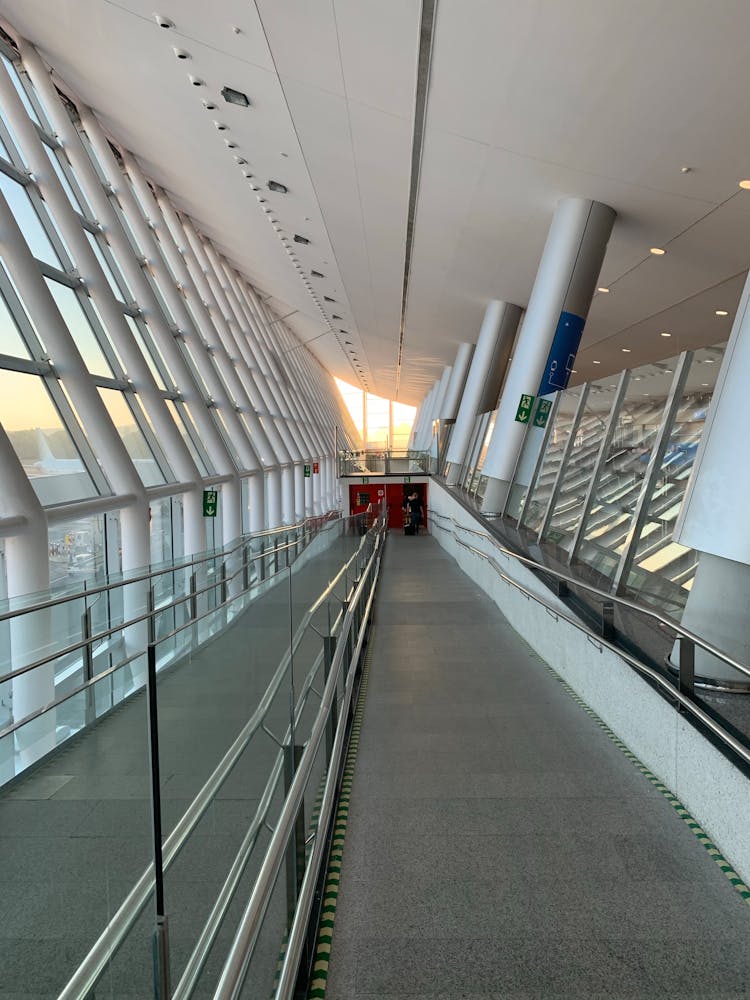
x,y
558,438
80,328
132,437
11,341
580,467
663,570
154,358
13,73
40,440
621,475
73,196
190,436
26,216
115,282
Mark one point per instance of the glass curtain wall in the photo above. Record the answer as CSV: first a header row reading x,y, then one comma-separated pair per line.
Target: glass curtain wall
x,y
609,481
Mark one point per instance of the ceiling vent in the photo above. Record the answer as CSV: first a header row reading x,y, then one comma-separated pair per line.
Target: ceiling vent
x,y
317,274
232,96
278,187
163,22
301,239
334,316
327,298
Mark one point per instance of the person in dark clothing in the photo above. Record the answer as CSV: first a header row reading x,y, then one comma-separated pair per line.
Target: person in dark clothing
x,y
415,511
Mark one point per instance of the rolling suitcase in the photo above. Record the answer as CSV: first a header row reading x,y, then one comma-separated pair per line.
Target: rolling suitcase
x,y
408,529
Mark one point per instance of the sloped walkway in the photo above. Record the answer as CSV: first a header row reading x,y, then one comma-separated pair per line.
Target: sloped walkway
x,y
499,844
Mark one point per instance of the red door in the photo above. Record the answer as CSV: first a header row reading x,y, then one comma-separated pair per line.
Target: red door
x,y
395,497
361,496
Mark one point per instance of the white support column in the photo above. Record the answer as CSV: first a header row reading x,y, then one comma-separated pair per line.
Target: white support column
x,y
273,498
97,198
545,352
485,377
287,494
454,392
257,502
175,303
309,502
714,517
170,439
424,431
299,491
27,563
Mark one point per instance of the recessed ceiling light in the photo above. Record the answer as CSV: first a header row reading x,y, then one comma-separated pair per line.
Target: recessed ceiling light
x,y
596,362
705,384
745,185
665,334
334,316
722,312
196,81
163,22
230,144
657,251
221,126
709,361
181,53
637,378
646,393
278,186
232,96
209,106
626,350
602,289
241,160
668,371
573,371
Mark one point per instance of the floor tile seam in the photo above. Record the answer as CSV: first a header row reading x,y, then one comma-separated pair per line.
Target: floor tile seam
x,y
697,830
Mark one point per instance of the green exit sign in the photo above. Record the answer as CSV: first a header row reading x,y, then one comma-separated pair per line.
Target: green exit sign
x,y
307,472
542,412
524,408
210,502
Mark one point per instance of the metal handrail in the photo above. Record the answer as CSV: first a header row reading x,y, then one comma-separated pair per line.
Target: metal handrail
x,y
624,602
112,937
683,700
146,616
174,567
240,953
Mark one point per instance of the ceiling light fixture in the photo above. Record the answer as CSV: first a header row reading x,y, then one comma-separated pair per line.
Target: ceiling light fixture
x,y
722,312
602,289
709,361
327,298
626,350
278,186
221,126
209,106
657,251
317,274
196,81
181,53
232,96
596,362
665,334
745,185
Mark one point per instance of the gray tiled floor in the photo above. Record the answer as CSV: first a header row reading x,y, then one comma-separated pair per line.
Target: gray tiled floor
x,y
499,845
75,833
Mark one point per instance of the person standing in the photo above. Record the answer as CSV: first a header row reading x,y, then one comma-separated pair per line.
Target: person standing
x,y
415,511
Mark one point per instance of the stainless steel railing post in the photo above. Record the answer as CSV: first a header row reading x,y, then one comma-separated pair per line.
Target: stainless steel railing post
x,y
162,986
686,677
88,665
295,855
329,650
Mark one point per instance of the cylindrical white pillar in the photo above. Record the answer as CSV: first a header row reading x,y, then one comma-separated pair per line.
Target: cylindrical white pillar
x,y
257,502
484,379
287,495
714,518
309,501
424,432
546,348
299,491
453,393
273,498
27,563
231,511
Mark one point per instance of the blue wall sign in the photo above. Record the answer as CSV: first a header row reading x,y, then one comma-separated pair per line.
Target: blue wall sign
x,y
562,353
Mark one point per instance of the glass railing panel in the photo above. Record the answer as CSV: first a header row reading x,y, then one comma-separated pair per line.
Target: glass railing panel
x,y
76,835
663,570
581,464
556,443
